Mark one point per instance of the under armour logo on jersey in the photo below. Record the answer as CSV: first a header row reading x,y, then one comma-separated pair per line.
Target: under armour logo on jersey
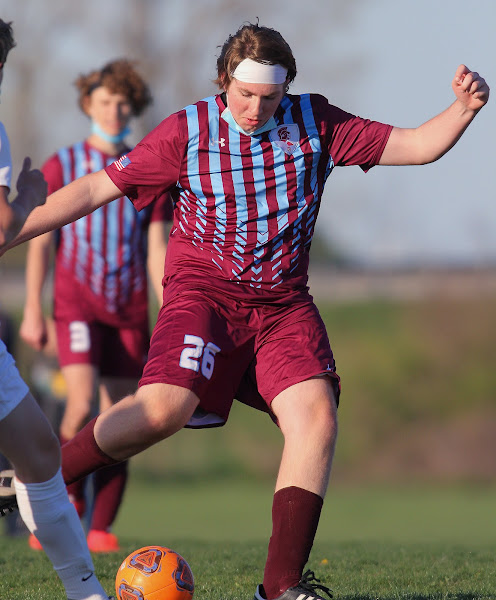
x,y
287,137
221,142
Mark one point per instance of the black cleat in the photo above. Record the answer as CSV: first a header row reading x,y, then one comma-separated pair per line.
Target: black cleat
x,y
8,500
308,588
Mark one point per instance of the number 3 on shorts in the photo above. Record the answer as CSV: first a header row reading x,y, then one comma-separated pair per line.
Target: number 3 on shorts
x,y
201,354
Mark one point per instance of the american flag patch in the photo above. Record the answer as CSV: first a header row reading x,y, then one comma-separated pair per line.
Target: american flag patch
x,y
122,162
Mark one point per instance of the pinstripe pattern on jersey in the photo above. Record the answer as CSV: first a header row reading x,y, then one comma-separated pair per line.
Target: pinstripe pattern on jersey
x,y
105,250
243,200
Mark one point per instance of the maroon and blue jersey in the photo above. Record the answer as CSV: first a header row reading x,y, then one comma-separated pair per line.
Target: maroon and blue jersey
x,y
245,206
104,253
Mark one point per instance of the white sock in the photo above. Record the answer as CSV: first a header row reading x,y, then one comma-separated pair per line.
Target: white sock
x,y
47,512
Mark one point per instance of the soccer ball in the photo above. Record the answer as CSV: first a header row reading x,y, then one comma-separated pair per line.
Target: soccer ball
x,y
154,573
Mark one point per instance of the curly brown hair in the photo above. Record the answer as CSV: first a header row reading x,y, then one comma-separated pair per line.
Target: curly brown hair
x,y
261,44
119,77
6,40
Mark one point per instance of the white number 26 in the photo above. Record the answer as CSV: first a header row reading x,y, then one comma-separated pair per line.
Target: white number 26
x,y
200,354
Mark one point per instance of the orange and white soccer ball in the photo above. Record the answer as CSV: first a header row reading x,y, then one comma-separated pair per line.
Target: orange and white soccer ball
x,y
154,573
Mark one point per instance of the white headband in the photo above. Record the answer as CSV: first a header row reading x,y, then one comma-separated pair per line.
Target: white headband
x,y
251,71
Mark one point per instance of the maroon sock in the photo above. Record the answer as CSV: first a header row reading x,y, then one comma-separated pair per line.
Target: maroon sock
x,y
82,455
109,486
295,516
76,489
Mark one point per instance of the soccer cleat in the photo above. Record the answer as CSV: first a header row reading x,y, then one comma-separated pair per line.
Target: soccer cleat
x,y
102,541
8,500
308,588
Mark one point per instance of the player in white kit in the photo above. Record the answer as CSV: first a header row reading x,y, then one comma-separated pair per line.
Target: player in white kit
x,y
26,437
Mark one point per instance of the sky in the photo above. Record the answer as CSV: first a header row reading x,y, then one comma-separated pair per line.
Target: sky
x,y
389,60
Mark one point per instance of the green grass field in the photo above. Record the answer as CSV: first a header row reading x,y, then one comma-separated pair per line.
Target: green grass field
x,y
237,509
380,543
231,571
405,529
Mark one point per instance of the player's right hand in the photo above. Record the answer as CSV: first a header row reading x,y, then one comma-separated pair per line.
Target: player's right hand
x,y
33,330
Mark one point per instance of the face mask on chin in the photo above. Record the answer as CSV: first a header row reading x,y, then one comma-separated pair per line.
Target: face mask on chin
x,y
112,139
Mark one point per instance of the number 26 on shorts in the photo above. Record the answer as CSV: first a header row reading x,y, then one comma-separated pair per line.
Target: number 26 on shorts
x,y
200,355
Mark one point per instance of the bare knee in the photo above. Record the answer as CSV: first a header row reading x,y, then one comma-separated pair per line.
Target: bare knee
x,y
317,420
307,417
30,443
309,410
167,412
154,413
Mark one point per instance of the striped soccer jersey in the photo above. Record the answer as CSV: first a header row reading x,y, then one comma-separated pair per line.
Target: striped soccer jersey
x,y
104,252
246,205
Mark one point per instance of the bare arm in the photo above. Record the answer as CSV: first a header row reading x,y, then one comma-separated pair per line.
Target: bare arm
x,y
33,328
31,192
434,138
157,247
79,198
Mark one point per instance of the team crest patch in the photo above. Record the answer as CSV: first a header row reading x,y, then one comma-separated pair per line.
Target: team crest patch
x,y
286,137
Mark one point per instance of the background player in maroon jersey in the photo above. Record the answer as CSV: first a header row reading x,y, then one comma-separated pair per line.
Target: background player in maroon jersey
x,y
100,291
246,169
26,437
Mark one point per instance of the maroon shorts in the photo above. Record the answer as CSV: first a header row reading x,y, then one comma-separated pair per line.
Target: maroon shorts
x,y
116,352
88,334
223,348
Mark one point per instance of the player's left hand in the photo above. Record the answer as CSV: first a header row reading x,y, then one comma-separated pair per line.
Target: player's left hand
x,y
470,88
31,186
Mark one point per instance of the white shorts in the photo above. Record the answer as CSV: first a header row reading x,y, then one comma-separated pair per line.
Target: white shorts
x,y
12,387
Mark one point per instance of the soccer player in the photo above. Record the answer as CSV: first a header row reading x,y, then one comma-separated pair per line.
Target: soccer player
x,y
26,437
100,289
246,169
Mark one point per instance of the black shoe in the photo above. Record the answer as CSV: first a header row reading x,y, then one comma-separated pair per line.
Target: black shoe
x,y
305,590
8,500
